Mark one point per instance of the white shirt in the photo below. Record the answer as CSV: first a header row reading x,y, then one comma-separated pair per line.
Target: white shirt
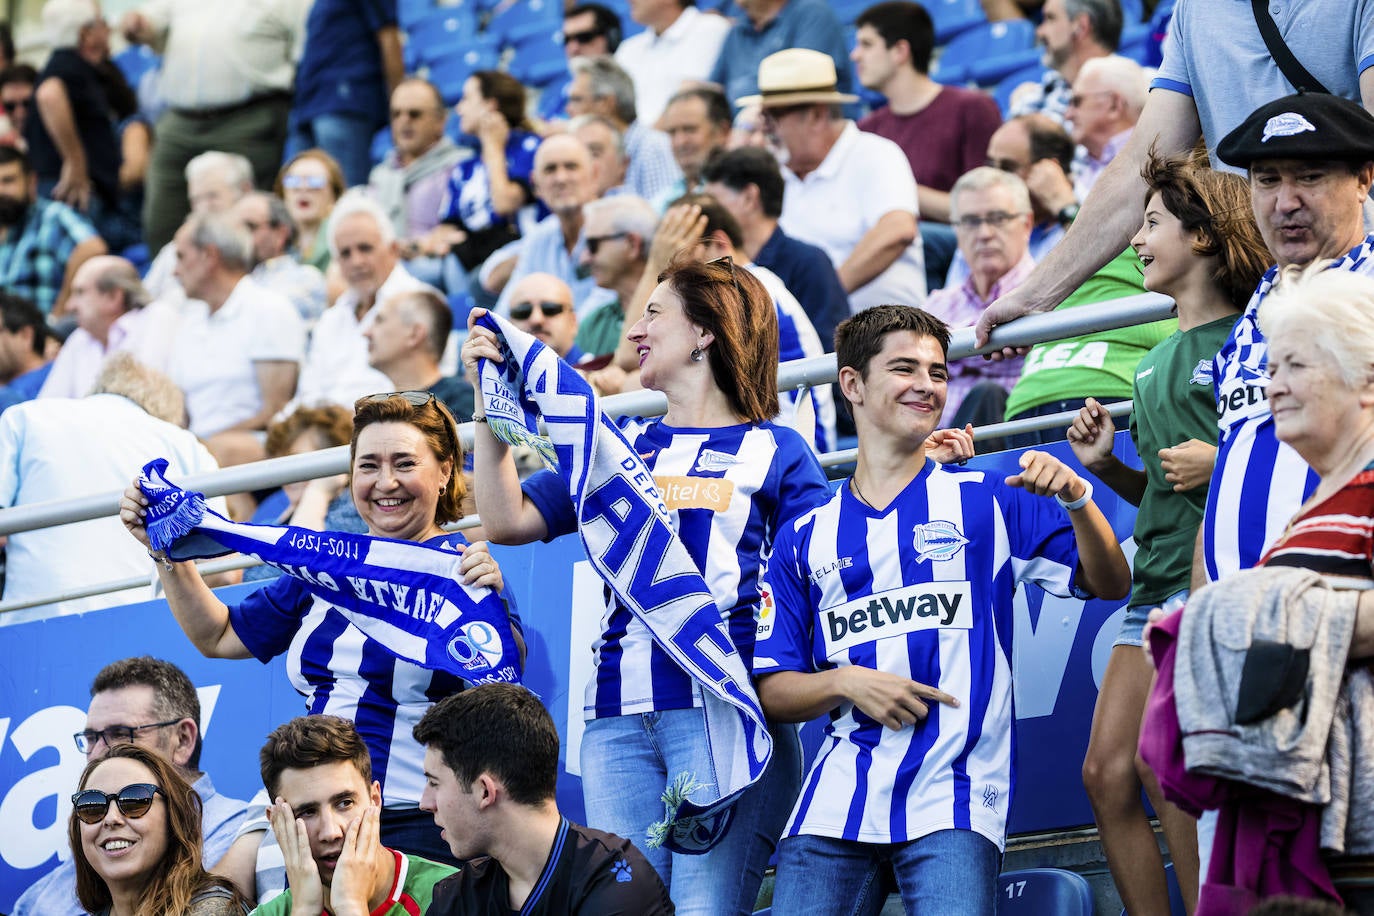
x,y
659,64
66,448
146,332
213,353
336,369
863,177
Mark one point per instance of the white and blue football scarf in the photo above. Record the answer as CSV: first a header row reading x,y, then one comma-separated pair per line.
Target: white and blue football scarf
x,y
407,596
628,535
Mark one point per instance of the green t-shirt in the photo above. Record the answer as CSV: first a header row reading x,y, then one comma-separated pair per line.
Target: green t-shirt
x,y
412,888
1174,402
599,333
1094,365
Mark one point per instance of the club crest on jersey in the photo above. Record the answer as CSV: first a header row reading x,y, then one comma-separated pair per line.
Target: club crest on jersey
x,y
937,541
1202,373
1286,125
712,460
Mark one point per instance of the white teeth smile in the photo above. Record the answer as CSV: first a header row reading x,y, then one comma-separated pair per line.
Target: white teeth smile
x,y
389,503
116,845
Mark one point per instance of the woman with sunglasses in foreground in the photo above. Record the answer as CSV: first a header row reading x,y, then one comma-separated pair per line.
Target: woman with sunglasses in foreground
x,y
730,477
406,480
136,841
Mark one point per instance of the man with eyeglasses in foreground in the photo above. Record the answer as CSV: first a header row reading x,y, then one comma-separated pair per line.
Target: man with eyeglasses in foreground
x,y
151,703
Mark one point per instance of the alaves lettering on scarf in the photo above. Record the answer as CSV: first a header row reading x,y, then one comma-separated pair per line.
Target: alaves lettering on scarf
x,y
407,596
628,534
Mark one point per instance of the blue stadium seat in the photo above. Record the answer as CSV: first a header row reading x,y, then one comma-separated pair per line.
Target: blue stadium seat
x,y
136,60
450,71
381,145
1137,43
410,12
848,10
1132,12
441,32
539,62
989,40
1030,74
1039,891
521,21
990,71
954,17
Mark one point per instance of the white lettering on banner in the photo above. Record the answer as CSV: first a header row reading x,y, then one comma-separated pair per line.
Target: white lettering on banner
x,y
1090,355
23,843
896,612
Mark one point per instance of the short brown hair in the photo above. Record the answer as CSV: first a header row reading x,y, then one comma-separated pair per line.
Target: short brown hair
x,y
507,92
733,305
333,423
859,337
311,741
179,875
437,425
174,696
337,183
1217,205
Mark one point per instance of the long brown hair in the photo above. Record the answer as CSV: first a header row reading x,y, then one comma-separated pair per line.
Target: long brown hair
x,y
179,875
440,430
733,305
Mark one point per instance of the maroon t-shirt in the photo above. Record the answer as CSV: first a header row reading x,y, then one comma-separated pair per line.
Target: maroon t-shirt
x,y
943,140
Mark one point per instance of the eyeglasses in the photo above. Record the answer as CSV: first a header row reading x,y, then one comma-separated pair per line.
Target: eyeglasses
x,y
136,800
581,38
728,261
594,241
523,310
416,399
12,106
1076,100
414,114
115,734
305,182
996,219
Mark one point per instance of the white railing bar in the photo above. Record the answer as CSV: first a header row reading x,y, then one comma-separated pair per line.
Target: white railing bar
x,y
817,370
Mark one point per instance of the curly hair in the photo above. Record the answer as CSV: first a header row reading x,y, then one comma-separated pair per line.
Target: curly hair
x,y
333,424
1216,205
179,875
440,430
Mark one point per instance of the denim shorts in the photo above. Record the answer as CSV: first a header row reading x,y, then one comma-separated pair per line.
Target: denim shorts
x,y
1138,614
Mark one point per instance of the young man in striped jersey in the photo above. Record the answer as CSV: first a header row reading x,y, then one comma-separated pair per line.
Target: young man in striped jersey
x,y
893,613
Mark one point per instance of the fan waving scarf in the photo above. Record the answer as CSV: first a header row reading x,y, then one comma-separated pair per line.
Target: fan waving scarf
x,y
628,534
407,596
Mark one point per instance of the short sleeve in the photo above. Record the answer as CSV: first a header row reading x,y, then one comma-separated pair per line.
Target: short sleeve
x,y
267,620
1041,537
1173,71
549,494
897,189
1364,39
785,619
378,14
803,486
11,442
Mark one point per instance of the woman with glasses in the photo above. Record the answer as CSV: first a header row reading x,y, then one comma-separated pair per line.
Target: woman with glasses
x,y
731,478
135,835
311,183
407,483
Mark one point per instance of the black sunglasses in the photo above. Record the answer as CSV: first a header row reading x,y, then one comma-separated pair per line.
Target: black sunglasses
x,y
522,311
115,734
581,37
594,241
729,261
91,805
417,398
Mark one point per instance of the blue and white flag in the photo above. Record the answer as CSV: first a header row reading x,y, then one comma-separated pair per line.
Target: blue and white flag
x,y
408,596
627,531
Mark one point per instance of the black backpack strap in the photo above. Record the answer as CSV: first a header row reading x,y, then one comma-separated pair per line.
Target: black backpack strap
x,y
1278,49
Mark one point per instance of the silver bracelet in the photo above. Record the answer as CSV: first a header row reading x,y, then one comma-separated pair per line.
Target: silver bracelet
x,y
482,418
164,561
1081,501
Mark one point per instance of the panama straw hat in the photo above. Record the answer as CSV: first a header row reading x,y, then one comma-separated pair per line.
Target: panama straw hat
x,y
796,76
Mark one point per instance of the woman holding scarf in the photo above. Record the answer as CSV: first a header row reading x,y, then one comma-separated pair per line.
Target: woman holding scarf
x,y
406,481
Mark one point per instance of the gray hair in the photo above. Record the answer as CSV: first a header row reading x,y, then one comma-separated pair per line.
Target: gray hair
x,y
63,21
157,394
617,135
226,235
627,213
357,202
1104,19
1332,308
236,170
607,78
984,178
278,215
123,276
1123,76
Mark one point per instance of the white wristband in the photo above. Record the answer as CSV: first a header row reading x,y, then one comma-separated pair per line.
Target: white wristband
x,y
1081,501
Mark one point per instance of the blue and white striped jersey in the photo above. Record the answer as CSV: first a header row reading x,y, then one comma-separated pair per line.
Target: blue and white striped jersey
x,y
1258,482
343,672
730,490
923,590
797,339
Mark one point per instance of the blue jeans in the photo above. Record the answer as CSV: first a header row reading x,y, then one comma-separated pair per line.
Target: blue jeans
x,y
626,765
946,873
346,136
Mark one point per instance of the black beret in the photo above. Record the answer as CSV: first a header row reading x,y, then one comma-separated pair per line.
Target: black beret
x,y
1308,125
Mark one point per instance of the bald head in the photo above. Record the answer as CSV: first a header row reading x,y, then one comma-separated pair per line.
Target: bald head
x,y
563,176
103,289
532,300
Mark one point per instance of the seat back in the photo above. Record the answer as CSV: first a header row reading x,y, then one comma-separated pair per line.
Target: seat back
x,y
1040,891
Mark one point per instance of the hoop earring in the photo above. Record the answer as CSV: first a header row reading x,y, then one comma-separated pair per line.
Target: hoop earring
x,y
697,354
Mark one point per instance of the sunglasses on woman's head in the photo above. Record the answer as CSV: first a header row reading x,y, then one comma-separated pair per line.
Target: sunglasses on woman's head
x,y
414,399
91,805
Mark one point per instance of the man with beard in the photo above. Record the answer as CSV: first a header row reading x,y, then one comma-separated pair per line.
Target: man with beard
x,y
42,242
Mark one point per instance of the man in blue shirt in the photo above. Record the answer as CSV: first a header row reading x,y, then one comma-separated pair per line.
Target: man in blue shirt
x,y
771,26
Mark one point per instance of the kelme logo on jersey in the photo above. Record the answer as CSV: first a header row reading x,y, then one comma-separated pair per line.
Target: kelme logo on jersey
x,y
897,612
712,460
937,541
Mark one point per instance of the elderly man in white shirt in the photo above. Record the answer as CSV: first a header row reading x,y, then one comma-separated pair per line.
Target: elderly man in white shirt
x,y
113,314
362,241
679,44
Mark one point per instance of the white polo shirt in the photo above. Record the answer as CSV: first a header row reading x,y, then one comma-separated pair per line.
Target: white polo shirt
x,y
658,64
213,353
863,177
